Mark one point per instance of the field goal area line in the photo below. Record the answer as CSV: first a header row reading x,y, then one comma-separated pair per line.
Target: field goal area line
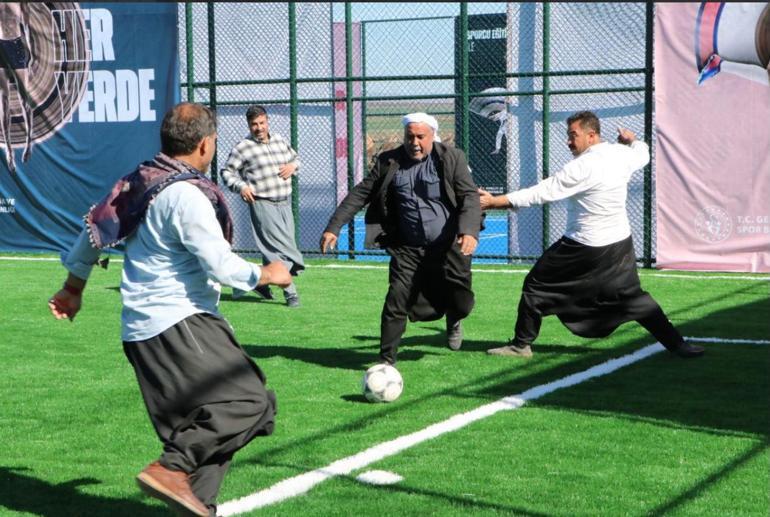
x,y
303,483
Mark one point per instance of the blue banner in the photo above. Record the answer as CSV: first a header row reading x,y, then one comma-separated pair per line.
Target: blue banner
x,y
83,90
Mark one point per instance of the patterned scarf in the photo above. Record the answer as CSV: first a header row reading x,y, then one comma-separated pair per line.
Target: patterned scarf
x,y
119,214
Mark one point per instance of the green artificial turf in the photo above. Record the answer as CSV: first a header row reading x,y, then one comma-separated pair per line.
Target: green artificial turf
x,y
663,436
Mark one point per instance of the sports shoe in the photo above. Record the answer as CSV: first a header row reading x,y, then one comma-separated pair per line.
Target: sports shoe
x,y
454,335
238,293
688,351
512,350
172,487
292,301
264,291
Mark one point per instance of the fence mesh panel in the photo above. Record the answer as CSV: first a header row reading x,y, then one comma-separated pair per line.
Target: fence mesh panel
x,y
528,67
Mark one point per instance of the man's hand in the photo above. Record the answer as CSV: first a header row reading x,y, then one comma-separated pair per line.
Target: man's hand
x,y
488,201
467,244
247,194
625,136
328,241
275,273
66,302
287,171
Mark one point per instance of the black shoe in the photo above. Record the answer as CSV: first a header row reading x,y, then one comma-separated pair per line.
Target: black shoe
x,y
687,350
264,291
454,335
292,301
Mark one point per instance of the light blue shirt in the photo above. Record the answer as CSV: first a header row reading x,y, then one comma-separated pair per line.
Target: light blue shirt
x,y
174,263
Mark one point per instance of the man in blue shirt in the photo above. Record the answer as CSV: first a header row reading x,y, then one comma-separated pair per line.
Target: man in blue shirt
x,y
205,396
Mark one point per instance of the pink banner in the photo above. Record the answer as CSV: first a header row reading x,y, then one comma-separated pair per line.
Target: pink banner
x,y
712,104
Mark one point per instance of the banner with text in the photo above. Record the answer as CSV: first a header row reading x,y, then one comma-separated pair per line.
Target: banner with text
x,y
712,101
83,90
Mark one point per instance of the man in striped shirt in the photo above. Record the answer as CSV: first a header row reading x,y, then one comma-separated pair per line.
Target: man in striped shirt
x,y
259,169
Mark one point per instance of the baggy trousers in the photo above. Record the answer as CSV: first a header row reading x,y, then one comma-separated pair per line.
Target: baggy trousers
x,y
424,284
592,290
205,397
273,225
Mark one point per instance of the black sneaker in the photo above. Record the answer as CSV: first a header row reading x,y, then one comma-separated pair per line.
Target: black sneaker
x,y
688,351
264,291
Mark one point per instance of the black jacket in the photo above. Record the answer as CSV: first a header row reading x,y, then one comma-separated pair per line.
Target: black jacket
x,y
381,223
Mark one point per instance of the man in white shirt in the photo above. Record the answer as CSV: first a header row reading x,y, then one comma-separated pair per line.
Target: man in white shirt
x,y
588,278
205,396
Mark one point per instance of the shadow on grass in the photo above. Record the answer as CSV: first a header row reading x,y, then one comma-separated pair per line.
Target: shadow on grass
x,y
25,494
726,389
703,485
468,504
701,393
351,359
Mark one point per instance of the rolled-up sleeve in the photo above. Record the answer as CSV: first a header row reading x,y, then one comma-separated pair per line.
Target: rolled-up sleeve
x,y
80,259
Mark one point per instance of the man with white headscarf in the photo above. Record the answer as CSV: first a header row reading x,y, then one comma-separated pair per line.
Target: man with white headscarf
x,y
424,210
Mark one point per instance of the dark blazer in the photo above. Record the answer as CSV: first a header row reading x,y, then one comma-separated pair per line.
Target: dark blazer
x,y
457,187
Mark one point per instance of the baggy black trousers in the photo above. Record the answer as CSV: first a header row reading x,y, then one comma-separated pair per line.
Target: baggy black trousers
x,y
424,284
205,397
592,290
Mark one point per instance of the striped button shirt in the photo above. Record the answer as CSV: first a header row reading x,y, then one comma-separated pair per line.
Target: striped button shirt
x,y
256,163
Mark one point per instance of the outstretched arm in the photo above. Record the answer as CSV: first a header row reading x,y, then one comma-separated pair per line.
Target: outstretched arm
x,y
489,201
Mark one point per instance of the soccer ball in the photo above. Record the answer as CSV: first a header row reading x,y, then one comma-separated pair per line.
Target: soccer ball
x,y
382,383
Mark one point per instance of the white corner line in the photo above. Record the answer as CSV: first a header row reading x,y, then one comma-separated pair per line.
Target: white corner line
x,y
736,276
642,273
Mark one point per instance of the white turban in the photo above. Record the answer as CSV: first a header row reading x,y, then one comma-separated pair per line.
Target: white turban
x,y
422,118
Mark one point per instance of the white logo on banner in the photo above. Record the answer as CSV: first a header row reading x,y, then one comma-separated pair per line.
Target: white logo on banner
x,y
7,205
713,224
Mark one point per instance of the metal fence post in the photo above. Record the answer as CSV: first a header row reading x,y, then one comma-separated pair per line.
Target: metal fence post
x,y
648,105
188,32
293,105
546,116
465,51
349,113
363,91
212,76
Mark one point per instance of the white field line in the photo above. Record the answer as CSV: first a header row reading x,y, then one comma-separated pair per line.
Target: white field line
x,y
503,271
302,483
525,271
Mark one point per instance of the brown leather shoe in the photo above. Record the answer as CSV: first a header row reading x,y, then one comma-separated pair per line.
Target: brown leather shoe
x,y
172,487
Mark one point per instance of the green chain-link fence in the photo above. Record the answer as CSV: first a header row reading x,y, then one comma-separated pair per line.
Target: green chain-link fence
x,y
501,78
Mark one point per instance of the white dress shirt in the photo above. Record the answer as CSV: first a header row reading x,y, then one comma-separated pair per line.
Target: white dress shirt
x,y
595,184
174,263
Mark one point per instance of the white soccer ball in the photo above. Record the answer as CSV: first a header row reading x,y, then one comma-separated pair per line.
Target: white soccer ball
x,y
382,383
